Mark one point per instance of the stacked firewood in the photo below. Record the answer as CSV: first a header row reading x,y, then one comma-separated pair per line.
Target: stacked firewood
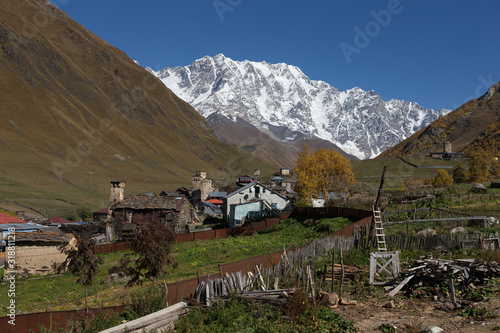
x,y
469,273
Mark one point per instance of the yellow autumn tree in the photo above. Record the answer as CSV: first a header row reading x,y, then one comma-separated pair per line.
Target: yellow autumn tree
x,y
479,166
321,172
442,179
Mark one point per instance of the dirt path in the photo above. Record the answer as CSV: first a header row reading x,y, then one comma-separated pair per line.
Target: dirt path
x,y
413,315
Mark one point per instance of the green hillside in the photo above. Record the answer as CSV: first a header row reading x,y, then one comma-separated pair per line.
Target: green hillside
x,y
76,112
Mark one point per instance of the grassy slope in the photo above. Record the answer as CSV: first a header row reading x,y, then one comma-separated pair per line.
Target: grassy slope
x,y
61,292
370,171
65,89
476,124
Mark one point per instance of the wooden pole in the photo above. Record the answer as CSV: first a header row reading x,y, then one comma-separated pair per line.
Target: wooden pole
x,y
452,289
333,268
377,202
323,282
341,272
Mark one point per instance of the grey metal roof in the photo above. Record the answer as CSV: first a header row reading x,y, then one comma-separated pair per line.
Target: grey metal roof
x,y
22,226
251,185
218,194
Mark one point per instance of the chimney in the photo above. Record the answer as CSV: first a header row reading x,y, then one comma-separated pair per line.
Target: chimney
x,y
117,191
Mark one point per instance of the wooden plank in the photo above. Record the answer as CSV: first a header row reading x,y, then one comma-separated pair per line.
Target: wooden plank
x,y
401,285
150,319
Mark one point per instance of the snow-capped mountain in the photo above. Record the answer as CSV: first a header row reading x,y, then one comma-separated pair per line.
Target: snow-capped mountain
x,y
276,96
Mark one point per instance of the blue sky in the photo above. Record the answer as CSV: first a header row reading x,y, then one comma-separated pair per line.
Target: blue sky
x,y
436,53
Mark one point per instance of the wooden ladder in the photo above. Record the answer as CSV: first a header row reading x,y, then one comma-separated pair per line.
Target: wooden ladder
x,y
379,231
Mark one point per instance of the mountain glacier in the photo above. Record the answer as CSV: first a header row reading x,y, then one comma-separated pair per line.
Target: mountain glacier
x,y
276,96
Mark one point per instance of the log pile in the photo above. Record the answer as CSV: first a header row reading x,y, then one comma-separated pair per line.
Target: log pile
x,y
350,272
469,273
160,321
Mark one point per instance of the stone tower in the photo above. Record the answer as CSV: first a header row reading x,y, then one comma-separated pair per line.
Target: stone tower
x,y
203,184
117,191
447,147
256,174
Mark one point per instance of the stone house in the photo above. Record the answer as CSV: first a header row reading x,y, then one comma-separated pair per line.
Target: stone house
x,y
136,209
37,251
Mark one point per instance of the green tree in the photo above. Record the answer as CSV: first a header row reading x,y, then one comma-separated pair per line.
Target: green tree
x,y
460,174
321,172
82,262
152,245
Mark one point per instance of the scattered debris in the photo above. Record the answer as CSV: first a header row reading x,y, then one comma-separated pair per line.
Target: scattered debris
x,y
426,232
390,304
469,273
432,329
330,300
458,229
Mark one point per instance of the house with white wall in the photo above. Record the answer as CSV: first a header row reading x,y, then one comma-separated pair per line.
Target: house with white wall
x,y
253,192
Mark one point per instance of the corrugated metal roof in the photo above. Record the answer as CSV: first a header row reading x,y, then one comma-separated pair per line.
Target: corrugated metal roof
x,y
4,218
58,220
218,194
253,184
215,201
22,226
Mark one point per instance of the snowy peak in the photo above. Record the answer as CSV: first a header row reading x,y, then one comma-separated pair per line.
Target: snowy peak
x,y
280,95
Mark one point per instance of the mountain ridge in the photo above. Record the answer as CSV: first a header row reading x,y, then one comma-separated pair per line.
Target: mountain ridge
x,y
474,125
263,94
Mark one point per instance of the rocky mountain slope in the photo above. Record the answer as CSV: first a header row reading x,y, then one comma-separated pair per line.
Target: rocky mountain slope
x,y
77,112
281,101
476,124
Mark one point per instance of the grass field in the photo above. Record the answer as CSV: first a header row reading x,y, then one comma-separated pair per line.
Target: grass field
x,y
370,171
60,292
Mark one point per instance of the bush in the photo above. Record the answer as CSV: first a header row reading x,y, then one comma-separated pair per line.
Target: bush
x,y
477,313
299,314
96,324
142,305
329,226
442,179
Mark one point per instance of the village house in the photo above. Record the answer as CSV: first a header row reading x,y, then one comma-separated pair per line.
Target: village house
x,y
217,195
100,215
137,209
447,153
57,221
246,179
18,227
260,197
211,209
37,251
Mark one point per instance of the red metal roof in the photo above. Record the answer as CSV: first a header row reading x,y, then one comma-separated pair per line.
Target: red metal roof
x,y
4,218
101,211
215,201
58,220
